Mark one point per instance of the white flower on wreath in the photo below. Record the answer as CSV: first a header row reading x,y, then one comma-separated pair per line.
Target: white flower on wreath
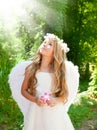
x,y
63,44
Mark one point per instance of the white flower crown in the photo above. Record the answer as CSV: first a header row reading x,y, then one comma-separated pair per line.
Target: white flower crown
x,y
63,44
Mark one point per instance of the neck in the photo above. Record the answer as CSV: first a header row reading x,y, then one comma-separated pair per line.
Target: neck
x,y
46,64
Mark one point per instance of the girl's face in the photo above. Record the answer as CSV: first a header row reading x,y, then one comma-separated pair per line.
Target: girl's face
x,y
47,48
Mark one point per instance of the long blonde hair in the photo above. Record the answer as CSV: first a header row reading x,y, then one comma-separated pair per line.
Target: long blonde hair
x,y
60,87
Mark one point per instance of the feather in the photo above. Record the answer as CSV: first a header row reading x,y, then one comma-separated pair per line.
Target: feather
x,y
16,78
15,81
72,80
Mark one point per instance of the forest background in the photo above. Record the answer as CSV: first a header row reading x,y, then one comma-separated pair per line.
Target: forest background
x,y
22,27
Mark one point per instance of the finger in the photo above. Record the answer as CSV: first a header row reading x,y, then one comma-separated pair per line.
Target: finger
x,y
52,104
48,102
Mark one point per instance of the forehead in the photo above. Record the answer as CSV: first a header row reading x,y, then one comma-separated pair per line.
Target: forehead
x,y
49,40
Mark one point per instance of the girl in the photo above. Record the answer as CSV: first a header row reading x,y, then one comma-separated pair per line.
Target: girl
x,y
47,86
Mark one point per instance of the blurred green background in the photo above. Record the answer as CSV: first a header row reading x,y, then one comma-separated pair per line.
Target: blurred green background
x,y
22,27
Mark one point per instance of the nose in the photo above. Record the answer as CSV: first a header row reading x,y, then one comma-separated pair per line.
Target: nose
x,y
44,44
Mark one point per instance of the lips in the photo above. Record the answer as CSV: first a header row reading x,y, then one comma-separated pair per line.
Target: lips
x,y
43,48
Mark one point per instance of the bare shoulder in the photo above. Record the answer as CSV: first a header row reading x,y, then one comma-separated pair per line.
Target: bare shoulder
x,y
28,70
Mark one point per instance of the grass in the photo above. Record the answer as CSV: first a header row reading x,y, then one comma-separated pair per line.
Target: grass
x,y
11,117
83,110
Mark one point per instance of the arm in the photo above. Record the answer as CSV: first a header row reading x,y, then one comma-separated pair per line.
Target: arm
x,y
62,99
26,94
24,89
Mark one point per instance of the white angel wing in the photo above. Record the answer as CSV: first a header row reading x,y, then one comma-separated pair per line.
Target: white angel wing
x,y
16,78
72,79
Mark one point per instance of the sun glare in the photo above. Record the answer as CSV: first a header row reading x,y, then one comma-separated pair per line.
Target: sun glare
x,y
10,10
7,7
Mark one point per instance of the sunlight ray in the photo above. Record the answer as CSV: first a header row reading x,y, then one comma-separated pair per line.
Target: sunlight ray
x,y
11,10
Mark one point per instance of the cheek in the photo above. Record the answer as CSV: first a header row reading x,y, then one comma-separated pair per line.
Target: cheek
x,y
40,46
51,52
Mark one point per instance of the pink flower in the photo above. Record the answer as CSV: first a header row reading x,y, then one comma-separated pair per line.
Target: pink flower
x,y
46,97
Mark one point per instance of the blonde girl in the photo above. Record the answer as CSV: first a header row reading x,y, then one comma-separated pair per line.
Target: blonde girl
x,y
46,86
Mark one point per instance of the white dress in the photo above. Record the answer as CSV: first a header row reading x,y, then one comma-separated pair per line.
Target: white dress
x,y
46,117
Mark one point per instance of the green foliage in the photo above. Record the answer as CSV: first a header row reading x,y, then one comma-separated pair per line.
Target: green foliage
x,y
10,116
54,16
30,33
75,22
10,48
9,112
93,84
80,33
93,78
82,110
83,86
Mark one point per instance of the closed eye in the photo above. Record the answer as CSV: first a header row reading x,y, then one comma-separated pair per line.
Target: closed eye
x,y
44,42
50,44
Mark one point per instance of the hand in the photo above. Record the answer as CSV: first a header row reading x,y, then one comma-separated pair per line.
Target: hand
x,y
55,100
40,102
51,102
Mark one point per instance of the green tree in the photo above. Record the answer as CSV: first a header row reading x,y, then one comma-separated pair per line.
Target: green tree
x,y
80,33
